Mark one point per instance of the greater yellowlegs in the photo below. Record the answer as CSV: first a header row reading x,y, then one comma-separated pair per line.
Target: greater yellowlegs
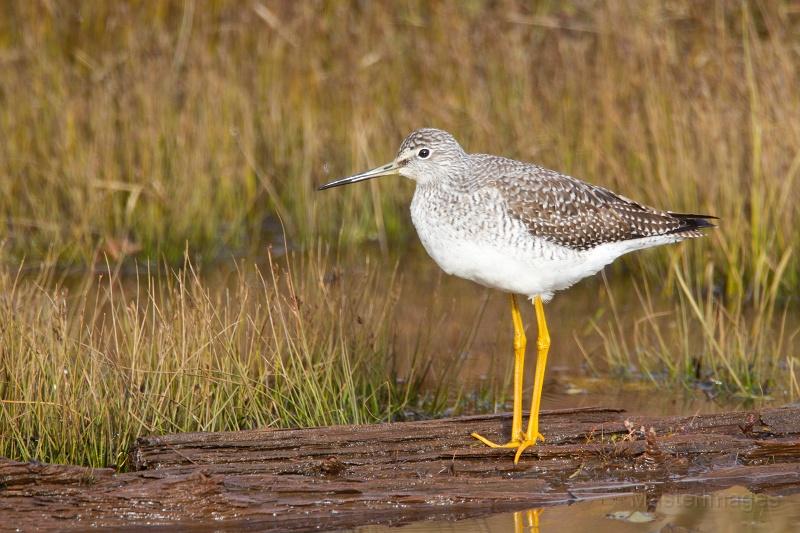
x,y
522,229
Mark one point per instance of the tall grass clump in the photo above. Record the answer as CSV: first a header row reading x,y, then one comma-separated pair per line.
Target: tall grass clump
x,y
134,128
89,364
749,351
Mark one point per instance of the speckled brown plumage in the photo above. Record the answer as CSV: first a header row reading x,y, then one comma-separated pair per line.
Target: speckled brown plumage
x,y
575,214
555,207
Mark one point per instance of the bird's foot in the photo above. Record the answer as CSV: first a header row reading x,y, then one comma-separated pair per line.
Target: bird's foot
x,y
525,443
491,444
520,443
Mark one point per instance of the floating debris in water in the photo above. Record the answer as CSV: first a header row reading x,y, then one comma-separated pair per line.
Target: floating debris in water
x,y
634,517
574,390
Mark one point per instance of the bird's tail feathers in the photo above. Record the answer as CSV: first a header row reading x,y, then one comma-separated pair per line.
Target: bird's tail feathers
x,y
691,222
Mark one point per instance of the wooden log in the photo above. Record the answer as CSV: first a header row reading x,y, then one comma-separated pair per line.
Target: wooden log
x,y
338,477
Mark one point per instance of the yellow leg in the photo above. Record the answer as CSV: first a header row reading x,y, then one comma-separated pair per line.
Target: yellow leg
x,y
519,361
542,347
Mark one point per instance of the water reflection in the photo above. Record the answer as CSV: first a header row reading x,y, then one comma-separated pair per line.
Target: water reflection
x,y
527,521
734,509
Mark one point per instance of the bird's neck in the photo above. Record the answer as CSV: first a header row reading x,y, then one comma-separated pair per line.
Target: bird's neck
x,y
461,180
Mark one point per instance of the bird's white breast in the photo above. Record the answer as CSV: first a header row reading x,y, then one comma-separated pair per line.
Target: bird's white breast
x,y
473,238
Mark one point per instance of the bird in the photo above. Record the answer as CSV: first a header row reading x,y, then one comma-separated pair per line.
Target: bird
x,y
524,230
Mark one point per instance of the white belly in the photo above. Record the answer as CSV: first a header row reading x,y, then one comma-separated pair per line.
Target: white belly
x,y
515,261
496,267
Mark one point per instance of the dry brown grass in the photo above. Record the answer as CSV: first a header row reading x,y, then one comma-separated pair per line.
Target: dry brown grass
x,y
89,364
153,124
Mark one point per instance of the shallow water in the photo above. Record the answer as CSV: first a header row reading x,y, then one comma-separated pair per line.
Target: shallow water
x,y
734,509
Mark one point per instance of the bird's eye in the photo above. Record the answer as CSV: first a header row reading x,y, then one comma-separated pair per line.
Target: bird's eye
x,y
424,153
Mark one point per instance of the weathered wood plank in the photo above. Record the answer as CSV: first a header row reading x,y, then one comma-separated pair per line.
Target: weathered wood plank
x,y
337,477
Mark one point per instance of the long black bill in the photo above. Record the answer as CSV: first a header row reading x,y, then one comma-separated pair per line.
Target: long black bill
x,y
385,170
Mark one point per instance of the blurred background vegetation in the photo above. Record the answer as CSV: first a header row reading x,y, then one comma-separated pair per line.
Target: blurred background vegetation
x,y
139,127
154,135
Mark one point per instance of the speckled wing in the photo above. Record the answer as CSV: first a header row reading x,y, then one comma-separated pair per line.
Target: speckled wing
x,y
580,216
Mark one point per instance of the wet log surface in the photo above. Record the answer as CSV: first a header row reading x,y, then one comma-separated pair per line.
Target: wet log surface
x,y
337,477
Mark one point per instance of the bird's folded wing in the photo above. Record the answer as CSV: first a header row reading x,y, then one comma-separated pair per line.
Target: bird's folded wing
x,y
578,215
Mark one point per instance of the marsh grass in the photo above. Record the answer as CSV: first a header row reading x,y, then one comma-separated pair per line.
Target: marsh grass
x,y
89,364
732,349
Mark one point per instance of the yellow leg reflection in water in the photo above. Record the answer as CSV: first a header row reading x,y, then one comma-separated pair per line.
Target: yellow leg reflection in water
x,y
532,516
519,440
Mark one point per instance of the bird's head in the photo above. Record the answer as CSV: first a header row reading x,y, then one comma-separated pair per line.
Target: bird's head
x,y
425,156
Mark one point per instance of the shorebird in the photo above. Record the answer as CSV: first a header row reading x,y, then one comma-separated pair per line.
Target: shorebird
x,y
522,229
